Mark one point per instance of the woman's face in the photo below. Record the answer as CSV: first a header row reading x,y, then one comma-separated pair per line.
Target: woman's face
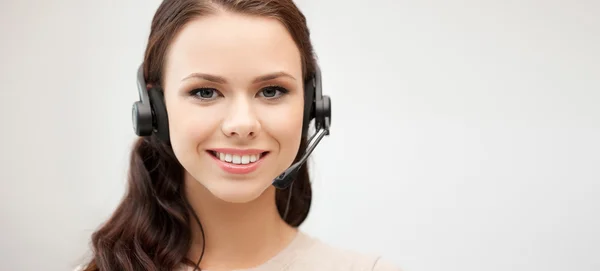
x,y
234,96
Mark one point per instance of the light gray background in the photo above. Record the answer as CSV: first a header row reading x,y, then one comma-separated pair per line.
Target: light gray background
x,y
466,134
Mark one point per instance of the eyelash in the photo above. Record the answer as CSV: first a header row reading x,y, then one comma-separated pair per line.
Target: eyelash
x,y
283,91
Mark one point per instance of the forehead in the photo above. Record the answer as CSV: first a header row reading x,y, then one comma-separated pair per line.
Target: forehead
x,y
233,45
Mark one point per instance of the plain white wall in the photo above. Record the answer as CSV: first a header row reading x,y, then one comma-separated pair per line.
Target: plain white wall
x,y
465,134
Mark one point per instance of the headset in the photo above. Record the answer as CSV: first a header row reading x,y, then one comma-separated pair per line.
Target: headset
x,y
149,117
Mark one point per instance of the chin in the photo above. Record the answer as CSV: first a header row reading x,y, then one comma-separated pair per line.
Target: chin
x,y
236,191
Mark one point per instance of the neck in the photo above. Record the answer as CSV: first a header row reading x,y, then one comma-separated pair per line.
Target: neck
x,y
237,235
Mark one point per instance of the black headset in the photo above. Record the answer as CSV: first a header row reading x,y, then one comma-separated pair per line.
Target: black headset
x,y
149,114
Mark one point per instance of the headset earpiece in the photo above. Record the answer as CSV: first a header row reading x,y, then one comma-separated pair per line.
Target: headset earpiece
x,y
322,104
141,112
141,117
149,114
160,117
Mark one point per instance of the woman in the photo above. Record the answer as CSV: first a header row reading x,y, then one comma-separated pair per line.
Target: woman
x,y
233,76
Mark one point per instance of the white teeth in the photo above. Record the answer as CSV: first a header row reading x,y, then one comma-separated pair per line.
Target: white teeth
x,y
245,159
237,159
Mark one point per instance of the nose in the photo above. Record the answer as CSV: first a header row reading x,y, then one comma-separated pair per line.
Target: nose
x,y
241,121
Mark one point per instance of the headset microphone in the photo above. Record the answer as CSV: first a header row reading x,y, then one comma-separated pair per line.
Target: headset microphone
x,y
284,180
320,110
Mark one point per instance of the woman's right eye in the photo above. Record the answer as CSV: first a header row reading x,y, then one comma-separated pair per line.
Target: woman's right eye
x,y
205,93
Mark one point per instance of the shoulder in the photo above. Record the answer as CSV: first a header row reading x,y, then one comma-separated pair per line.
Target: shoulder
x,y
318,255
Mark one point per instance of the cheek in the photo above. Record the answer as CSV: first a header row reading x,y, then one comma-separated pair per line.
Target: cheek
x,y
188,129
285,126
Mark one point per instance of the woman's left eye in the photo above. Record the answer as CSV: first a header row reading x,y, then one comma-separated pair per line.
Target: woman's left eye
x,y
273,92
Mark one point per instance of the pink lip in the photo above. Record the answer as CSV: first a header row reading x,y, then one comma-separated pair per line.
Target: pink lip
x,y
238,168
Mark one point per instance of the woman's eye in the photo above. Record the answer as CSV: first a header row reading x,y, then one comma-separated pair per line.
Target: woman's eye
x,y
205,93
273,92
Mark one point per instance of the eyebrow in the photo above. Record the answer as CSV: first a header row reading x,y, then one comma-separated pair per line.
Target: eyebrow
x,y
221,80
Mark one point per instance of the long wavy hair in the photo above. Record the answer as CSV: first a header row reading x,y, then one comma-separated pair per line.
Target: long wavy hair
x,y
150,229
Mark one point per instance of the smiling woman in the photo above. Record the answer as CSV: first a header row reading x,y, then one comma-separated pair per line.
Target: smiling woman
x,y
249,107
233,86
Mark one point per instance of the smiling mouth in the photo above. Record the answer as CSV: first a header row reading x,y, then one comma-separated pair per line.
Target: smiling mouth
x,y
237,159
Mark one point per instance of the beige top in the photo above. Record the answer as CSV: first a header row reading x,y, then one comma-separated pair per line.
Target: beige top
x,y
308,253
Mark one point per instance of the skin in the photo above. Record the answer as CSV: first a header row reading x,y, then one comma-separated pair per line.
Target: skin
x,y
238,212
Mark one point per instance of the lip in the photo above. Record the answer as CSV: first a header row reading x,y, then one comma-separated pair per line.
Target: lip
x,y
238,168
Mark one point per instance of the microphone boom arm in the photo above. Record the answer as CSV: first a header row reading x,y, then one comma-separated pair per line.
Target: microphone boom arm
x,y
285,179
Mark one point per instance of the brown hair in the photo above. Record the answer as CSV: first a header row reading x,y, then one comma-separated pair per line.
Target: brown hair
x,y
150,230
